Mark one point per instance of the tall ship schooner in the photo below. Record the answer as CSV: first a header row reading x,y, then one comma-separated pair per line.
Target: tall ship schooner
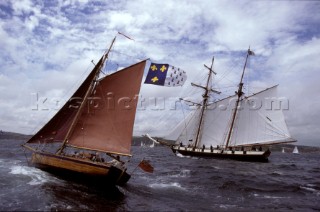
x,y
233,127
93,129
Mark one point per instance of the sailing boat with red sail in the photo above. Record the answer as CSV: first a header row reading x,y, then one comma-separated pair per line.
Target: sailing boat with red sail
x,y
95,125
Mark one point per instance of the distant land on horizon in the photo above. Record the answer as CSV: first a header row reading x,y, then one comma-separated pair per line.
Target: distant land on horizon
x,y
13,135
137,140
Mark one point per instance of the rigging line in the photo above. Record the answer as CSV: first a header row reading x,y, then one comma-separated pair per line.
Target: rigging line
x,y
270,123
25,154
184,118
223,75
131,56
274,128
68,90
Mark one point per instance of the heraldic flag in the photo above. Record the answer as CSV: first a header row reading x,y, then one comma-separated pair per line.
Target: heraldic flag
x,y
146,166
165,75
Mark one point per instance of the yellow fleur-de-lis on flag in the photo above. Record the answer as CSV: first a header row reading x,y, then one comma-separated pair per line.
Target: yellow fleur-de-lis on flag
x,y
163,68
153,68
154,79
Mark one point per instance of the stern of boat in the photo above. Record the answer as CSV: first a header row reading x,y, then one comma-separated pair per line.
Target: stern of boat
x,y
119,176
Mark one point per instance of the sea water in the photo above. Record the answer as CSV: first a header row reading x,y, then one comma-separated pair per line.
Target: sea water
x,y
287,182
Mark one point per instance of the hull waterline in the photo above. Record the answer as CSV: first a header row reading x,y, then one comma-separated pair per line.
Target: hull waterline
x,y
82,170
254,156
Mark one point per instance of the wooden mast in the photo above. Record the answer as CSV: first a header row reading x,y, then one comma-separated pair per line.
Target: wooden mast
x,y
205,100
77,116
239,94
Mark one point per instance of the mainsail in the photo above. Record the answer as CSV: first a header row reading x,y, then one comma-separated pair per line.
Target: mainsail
x,y
107,123
261,125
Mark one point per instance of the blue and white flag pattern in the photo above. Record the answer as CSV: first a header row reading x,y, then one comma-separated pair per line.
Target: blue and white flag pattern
x,y
175,77
165,75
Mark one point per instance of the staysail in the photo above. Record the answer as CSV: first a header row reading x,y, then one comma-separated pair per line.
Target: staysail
x,y
106,123
56,129
187,128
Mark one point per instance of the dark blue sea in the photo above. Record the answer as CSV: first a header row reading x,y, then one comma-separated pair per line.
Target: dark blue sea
x,y
288,182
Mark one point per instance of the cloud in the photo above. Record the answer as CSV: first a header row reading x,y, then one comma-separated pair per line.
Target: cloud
x,y
47,47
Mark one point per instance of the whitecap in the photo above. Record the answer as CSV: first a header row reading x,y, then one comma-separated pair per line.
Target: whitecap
x,y
216,167
181,156
185,156
268,197
182,173
8,163
166,185
37,176
308,189
274,197
277,172
311,185
317,192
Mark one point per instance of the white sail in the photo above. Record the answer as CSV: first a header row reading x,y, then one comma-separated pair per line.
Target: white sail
x,y
216,122
185,131
295,150
254,125
265,125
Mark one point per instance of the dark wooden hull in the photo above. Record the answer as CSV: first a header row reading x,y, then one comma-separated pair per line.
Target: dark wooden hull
x,y
80,169
254,156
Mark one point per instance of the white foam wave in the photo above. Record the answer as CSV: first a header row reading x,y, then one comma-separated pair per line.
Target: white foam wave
x,y
8,163
216,167
166,185
269,197
182,156
274,197
277,172
317,192
182,173
37,176
186,156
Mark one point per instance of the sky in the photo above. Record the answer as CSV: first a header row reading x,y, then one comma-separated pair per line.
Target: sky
x,y
47,48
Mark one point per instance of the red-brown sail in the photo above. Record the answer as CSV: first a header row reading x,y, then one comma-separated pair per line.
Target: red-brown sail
x,y
56,129
106,122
